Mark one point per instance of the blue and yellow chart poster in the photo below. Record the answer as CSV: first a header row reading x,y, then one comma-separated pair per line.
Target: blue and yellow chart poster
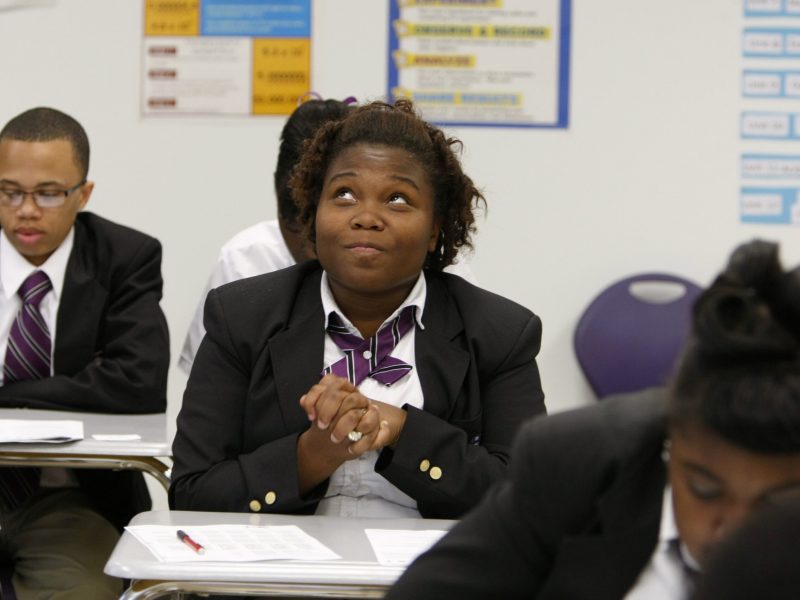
x,y
225,57
482,62
769,123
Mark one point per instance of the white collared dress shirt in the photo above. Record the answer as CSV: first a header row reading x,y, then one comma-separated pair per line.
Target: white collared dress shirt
x,y
664,576
254,251
355,489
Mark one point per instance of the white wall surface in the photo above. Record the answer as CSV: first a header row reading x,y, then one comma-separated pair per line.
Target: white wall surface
x,y
644,178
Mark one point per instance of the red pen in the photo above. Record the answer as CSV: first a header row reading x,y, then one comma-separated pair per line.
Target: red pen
x,y
184,537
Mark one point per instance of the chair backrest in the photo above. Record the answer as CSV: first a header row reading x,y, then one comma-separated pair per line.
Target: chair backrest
x,y
630,336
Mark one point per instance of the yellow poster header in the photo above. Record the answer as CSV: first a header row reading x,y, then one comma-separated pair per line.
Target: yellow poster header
x,y
460,98
405,60
507,32
172,17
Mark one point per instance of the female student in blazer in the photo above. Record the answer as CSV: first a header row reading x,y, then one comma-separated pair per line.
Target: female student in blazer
x,y
369,383
626,499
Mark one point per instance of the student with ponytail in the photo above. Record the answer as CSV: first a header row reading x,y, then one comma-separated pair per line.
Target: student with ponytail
x,y
626,499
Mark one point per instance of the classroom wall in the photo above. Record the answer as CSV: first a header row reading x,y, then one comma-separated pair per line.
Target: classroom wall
x,y
644,178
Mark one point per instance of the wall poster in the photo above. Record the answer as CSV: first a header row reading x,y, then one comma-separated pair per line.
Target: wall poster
x,y
227,57
482,62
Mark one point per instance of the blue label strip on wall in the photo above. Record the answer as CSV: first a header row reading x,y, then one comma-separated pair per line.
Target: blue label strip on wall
x,y
771,8
771,43
770,84
770,126
256,18
771,166
774,206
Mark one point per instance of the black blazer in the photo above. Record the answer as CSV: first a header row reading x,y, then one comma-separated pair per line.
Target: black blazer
x,y
112,346
263,349
578,518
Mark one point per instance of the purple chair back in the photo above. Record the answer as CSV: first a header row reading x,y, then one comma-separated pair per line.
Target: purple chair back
x,y
625,342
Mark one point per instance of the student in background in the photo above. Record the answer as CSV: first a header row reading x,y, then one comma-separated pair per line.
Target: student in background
x,y
269,245
272,245
80,329
368,383
626,499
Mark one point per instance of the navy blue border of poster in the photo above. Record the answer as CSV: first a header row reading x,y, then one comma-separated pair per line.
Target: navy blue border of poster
x,y
563,79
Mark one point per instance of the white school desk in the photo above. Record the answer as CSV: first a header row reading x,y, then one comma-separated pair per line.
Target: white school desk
x,y
356,575
88,453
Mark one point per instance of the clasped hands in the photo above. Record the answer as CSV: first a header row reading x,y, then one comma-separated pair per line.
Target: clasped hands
x,y
336,408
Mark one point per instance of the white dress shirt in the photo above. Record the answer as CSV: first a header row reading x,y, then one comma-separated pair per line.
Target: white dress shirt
x,y
355,489
254,251
14,269
664,577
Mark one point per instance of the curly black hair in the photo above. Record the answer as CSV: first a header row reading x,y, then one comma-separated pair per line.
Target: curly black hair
x,y
739,375
396,126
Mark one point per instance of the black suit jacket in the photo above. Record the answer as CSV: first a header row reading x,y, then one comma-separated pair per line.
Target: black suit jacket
x,y
112,346
578,518
263,349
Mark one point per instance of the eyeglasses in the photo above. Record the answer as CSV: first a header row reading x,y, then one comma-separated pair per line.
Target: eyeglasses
x,y
45,198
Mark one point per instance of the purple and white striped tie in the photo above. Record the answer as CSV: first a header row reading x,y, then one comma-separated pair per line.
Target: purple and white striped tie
x,y
27,358
370,358
28,351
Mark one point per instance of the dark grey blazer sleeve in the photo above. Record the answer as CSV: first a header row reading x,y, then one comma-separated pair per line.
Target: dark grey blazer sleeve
x,y
470,451
232,446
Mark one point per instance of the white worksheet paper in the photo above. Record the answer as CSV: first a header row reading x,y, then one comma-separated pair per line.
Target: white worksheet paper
x,y
401,546
231,543
36,431
116,437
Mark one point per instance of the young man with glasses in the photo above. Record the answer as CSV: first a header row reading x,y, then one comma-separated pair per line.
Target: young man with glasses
x,y
80,329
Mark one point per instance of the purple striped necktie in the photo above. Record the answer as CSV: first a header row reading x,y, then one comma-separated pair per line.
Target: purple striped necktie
x,y
28,351
370,358
27,358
